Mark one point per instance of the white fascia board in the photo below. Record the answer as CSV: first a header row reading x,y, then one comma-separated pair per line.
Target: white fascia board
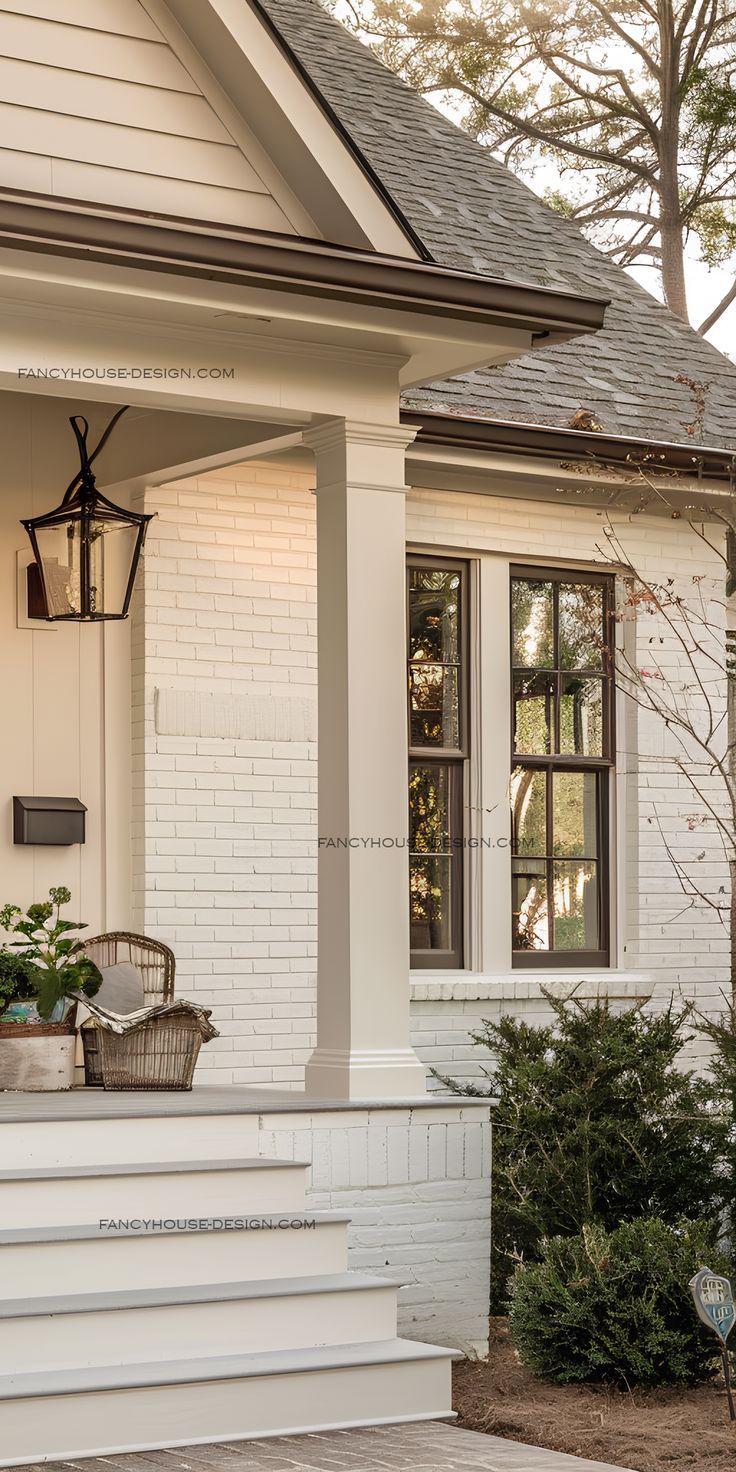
x,y
418,347
493,473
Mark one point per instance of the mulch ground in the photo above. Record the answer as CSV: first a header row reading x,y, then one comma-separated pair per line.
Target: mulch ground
x,y
645,1430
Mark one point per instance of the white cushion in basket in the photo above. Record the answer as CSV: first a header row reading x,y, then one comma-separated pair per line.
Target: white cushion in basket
x,y
122,988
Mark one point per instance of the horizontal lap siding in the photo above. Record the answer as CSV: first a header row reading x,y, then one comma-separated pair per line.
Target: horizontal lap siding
x,y
126,17
116,118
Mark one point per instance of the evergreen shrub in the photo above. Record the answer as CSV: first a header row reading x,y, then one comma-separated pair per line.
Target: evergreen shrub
x,y
615,1307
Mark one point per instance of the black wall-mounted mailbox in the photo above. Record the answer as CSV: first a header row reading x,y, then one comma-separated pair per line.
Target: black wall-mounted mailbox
x,y
57,820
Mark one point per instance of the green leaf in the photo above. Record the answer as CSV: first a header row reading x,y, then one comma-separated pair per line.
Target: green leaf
x,y
50,991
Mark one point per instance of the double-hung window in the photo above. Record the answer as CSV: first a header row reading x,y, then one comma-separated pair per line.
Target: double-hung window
x,y
438,752
562,754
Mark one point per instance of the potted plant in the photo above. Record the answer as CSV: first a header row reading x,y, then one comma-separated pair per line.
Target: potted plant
x,y
43,973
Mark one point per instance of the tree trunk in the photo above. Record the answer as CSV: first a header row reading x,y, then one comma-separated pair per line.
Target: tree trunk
x,y
732,867
673,264
671,223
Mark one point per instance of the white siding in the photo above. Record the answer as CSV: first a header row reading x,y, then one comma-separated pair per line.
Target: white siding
x,y
95,106
52,738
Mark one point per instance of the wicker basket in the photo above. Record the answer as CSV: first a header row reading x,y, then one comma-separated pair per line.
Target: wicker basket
x,y
160,1054
157,965
91,1047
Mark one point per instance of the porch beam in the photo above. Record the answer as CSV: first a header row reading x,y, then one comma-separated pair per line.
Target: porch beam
x,y
363,1048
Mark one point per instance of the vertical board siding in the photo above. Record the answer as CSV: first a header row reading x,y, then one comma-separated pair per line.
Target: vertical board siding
x,y
95,100
51,733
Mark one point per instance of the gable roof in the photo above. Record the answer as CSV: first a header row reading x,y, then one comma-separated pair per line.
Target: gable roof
x,y
473,213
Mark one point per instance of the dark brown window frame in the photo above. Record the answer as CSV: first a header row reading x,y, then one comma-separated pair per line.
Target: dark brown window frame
x,y
553,761
454,759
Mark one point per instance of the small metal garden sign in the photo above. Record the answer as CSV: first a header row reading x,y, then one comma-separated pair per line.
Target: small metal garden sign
x,y
715,1305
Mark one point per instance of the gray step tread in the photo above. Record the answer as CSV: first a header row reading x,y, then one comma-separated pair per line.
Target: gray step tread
x,y
219,1367
147,1168
90,1231
133,1298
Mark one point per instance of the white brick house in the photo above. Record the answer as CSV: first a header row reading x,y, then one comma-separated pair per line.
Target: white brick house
x,y
350,343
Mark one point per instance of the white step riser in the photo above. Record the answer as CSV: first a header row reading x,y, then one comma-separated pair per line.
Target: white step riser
x,y
125,1141
117,1421
188,1330
182,1194
157,1261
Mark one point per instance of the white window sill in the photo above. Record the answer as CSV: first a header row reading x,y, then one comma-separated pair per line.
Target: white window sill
x,y
588,983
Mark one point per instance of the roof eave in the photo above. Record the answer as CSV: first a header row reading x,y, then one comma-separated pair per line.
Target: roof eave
x,y
551,442
44,225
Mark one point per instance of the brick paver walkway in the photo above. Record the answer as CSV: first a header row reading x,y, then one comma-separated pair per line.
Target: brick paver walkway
x,y
427,1446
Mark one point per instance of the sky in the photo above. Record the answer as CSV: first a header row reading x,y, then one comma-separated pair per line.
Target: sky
x,y
705,287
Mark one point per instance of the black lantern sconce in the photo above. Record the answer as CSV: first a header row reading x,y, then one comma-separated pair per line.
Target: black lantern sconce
x,y
87,550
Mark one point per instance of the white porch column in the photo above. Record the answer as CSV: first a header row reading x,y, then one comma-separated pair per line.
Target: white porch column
x,y
363,1048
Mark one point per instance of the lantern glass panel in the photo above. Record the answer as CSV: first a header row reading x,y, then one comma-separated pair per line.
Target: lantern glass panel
x,y
85,565
112,545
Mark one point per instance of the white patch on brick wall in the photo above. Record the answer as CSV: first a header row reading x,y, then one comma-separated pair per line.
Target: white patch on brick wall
x,y
251,717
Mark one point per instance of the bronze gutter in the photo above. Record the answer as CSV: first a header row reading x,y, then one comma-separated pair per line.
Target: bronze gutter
x,y
453,431
285,263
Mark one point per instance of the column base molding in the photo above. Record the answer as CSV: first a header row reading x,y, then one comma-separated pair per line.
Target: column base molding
x,y
365,1073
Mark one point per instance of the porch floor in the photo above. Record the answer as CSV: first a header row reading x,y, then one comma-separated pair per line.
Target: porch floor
x,y
84,1103
426,1446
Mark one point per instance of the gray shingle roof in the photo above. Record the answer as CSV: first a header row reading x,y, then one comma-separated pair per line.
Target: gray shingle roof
x,y
473,213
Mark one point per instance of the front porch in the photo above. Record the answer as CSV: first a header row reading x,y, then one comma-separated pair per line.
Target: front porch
x,y
413,1176
183,1275
234,1264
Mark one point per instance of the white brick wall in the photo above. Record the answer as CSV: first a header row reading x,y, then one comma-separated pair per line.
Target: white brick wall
x,y
446,1013
417,1186
677,947
226,828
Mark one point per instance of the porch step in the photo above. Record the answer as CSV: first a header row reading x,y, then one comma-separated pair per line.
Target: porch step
x,y
42,1259
193,1320
122,1137
113,1408
153,1190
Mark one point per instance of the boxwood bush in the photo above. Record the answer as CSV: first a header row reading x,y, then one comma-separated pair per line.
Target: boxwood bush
x,y
615,1306
597,1122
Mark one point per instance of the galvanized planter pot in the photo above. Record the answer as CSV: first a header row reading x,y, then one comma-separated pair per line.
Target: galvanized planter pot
x,y
36,1057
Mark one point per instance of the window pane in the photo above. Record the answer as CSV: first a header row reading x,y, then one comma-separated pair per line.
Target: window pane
x,y
529,905
430,904
581,716
435,713
575,904
434,615
575,814
429,810
532,713
432,859
581,626
529,811
532,623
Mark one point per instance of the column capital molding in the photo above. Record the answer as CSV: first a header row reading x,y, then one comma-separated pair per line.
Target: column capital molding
x,y
338,432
